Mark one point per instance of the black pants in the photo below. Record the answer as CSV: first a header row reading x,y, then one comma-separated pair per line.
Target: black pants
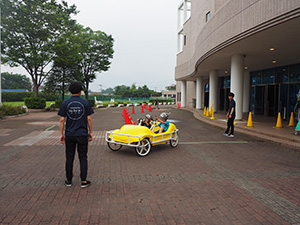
x,y
82,149
230,125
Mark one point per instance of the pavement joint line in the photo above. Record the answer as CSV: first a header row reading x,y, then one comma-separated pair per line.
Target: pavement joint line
x,y
49,128
213,142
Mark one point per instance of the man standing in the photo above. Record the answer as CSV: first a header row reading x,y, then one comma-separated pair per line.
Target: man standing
x,y
77,114
230,116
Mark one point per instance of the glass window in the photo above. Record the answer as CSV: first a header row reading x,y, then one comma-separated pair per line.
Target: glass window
x,y
207,87
282,74
255,77
295,73
293,95
268,76
227,82
252,99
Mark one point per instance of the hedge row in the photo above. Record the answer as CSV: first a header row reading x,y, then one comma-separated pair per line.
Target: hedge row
x,y
10,111
162,100
19,96
35,103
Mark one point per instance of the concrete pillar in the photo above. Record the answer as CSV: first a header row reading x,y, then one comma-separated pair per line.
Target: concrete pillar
x,y
246,93
213,89
199,92
237,82
183,93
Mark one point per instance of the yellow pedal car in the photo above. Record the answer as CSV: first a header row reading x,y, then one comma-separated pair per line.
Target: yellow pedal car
x,y
140,137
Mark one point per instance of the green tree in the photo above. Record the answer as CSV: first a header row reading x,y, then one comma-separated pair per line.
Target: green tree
x,y
141,92
96,51
122,90
66,64
30,29
108,91
15,81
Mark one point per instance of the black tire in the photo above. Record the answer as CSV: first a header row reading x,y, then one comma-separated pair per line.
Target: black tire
x,y
114,147
144,148
175,142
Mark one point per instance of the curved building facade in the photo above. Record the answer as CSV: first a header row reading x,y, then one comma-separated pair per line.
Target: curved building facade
x,y
249,47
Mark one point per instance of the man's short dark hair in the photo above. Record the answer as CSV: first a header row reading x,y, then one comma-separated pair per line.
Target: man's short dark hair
x,y
231,94
75,87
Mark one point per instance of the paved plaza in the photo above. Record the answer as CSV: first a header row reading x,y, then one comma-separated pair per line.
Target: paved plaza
x,y
207,179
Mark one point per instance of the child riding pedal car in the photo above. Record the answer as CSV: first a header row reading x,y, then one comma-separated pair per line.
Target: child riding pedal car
x,y
163,122
147,122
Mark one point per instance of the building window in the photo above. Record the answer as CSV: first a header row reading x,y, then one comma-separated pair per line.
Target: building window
x,y
184,13
180,41
282,75
255,78
207,16
295,73
268,76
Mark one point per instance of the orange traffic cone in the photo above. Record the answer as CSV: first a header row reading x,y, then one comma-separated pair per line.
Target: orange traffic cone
x,y
292,123
250,123
133,110
279,123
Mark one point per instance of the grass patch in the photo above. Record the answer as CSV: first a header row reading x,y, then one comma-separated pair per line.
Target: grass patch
x,y
18,104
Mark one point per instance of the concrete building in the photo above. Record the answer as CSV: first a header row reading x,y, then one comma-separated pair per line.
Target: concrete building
x,y
168,94
249,47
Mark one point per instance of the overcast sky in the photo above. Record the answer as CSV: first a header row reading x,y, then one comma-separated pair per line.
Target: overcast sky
x,y
145,40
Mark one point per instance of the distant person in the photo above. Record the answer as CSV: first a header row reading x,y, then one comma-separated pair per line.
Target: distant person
x,y
230,116
156,104
77,114
163,122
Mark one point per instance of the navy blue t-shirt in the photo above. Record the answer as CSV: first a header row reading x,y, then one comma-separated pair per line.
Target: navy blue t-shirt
x,y
76,110
230,106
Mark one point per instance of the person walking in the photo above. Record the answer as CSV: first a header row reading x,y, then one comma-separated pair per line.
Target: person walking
x,y
76,112
156,104
230,116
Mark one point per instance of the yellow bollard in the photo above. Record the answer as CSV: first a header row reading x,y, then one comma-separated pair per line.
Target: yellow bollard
x,y
212,111
292,123
279,123
207,112
250,123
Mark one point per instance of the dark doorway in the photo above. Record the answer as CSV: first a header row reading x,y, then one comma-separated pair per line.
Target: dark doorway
x,y
272,102
206,96
259,100
224,99
206,99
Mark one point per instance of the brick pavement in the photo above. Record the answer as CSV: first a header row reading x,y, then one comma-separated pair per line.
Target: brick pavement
x,y
207,179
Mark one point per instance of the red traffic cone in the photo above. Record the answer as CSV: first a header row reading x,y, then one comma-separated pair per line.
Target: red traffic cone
x,y
150,108
142,109
133,110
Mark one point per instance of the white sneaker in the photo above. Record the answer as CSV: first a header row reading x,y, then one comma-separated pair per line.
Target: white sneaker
x,y
231,136
225,134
